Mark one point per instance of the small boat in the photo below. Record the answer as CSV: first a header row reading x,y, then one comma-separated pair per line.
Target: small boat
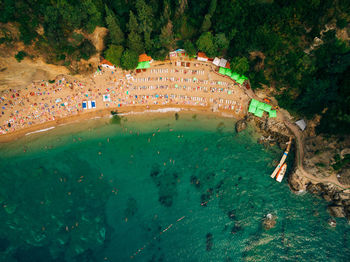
x,y
281,173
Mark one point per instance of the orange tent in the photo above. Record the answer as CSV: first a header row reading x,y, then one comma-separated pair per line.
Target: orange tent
x,y
202,55
144,58
106,62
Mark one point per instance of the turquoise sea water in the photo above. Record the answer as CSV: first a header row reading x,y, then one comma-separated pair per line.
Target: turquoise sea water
x,y
156,190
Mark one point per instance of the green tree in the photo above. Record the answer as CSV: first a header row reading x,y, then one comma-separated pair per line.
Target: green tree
x,y
149,44
135,42
212,7
206,44
20,56
166,37
221,41
132,24
114,54
145,16
240,65
87,49
116,35
181,7
93,16
206,23
166,12
129,60
189,47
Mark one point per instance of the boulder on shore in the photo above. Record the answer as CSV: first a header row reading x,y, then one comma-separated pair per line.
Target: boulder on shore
x,y
241,125
336,211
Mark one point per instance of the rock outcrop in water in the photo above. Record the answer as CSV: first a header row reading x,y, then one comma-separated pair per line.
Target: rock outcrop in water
x,y
241,125
323,159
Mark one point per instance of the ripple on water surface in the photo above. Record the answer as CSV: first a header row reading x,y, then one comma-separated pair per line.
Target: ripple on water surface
x,y
155,189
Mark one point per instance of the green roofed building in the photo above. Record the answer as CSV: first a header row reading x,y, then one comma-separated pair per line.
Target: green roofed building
x,y
222,70
257,108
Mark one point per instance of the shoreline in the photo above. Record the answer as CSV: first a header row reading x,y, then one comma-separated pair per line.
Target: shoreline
x,y
102,113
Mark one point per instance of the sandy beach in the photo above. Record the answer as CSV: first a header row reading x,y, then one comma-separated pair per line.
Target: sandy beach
x,y
42,104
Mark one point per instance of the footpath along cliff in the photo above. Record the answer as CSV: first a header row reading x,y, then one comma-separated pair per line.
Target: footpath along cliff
x,y
322,164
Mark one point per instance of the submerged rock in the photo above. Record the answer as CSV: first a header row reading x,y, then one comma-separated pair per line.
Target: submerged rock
x,y
269,222
336,211
240,125
231,215
209,237
332,222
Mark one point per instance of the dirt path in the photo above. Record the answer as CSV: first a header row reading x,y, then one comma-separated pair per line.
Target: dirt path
x,y
282,116
332,179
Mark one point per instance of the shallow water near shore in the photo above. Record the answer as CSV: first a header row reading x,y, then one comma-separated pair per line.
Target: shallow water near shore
x,y
156,189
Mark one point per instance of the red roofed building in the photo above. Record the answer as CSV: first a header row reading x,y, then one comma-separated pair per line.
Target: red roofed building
x,y
107,64
202,57
145,58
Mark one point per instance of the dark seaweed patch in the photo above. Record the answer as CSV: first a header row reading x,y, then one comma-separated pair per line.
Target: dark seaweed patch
x,y
209,240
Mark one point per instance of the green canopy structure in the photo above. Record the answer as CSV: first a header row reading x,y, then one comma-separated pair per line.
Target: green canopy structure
x,y
235,76
240,81
273,113
254,103
259,112
222,70
267,107
143,65
228,72
258,108
252,108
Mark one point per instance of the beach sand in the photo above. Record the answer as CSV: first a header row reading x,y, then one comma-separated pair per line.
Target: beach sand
x,y
43,105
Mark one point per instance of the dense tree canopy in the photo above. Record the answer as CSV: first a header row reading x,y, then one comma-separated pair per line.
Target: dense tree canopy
x,y
129,59
272,42
114,53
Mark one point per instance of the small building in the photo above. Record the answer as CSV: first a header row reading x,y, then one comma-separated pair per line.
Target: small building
x,y
216,61
301,124
106,64
145,58
202,57
172,54
222,62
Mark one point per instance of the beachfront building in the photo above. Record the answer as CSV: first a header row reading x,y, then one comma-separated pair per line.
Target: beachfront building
x,y
301,124
106,64
177,53
202,57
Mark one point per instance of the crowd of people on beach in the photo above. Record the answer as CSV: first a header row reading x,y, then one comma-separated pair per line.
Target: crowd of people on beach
x,y
45,101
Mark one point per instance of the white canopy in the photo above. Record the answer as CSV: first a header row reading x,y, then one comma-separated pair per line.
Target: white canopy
x,y
301,124
222,62
216,61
